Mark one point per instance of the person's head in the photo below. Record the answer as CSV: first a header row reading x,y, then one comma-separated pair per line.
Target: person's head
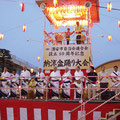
x,y
5,69
68,29
115,68
92,69
78,68
40,70
24,67
77,23
13,72
66,69
55,69
103,68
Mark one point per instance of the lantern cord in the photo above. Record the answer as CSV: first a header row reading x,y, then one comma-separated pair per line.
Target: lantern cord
x,y
107,33
21,24
117,9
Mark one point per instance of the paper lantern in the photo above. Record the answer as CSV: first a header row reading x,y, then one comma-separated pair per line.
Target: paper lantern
x,y
1,36
24,28
119,23
109,37
22,7
31,70
38,58
55,2
109,6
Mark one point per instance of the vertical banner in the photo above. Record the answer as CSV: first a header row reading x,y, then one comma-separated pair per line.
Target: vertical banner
x,y
66,55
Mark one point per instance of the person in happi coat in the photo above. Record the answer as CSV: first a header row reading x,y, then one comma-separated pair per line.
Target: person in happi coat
x,y
40,85
78,82
116,80
55,78
25,79
14,84
67,78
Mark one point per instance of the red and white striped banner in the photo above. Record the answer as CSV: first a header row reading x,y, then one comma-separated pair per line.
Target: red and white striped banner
x,y
42,110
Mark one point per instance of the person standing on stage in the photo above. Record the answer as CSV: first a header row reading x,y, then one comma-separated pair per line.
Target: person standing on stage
x,y
79,29
67,35
103,77
41,82
55,78
25,73
78,81
25,77
5,75
92,80
14,83
116,78
15,77
67,78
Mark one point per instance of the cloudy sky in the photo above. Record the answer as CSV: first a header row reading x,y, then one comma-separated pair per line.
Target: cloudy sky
x,y
12,20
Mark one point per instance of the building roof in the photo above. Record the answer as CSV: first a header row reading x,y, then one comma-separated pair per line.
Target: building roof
x,y
108,65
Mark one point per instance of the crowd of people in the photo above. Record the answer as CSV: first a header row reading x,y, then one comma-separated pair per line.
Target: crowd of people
x,y
55,85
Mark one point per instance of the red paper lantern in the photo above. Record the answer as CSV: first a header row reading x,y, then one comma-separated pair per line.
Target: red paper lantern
x,y
119,23
109,6
38,58
31,70
1,36
109,37
22,7
24,28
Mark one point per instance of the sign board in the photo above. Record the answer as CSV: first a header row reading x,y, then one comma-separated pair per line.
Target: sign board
x,y
66,55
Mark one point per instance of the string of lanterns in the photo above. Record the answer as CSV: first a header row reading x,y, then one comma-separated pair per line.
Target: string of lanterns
x,y
22,5
109,6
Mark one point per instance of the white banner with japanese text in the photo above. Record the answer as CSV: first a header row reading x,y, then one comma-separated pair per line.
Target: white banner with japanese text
x,y
66,55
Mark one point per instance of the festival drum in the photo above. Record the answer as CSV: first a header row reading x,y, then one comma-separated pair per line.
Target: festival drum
x,y
59,38
83,38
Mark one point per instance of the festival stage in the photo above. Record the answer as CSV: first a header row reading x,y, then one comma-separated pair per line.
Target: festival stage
x,y
53,109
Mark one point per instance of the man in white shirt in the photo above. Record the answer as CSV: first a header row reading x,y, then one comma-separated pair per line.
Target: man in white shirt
x,y
116,79
5,73
67,78
40,83
54,81
14,83
103,78
25,75
78,81
103,81
102,75
15,77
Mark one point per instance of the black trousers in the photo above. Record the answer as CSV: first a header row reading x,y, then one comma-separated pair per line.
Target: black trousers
x,y
78,39
67,41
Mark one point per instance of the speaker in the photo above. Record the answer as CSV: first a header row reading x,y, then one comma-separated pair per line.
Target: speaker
x,y
88,4
42,6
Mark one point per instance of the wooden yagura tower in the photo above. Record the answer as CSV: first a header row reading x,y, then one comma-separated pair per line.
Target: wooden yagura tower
x,y
64,13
